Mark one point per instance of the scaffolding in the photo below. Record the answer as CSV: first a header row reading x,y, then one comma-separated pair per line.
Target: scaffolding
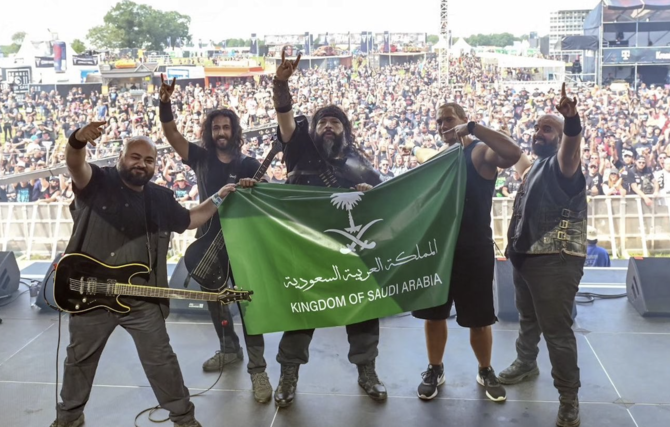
x,y
445,38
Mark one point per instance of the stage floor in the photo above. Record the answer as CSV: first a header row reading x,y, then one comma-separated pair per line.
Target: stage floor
x,y
623,359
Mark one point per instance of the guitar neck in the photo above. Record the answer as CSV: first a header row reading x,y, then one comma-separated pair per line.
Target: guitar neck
x,y
264,166
155,292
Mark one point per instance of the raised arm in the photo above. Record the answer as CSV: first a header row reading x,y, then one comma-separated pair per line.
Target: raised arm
x,y
281,96
204,211
75,153
176,139
569,159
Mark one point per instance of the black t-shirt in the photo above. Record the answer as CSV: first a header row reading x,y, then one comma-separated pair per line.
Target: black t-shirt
x,y
116,231
217,175
512,184
594,181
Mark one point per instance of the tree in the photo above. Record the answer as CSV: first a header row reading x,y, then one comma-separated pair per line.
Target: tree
x,y
132,25
18,38
78,46
499,40
433,39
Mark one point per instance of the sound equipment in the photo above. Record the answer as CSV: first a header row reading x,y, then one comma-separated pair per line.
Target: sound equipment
x,y
10,275
177,280
504,292
648,286
82,283
46,287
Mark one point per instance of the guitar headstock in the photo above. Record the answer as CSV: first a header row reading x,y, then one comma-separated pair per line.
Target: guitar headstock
x,y
276,145
229,296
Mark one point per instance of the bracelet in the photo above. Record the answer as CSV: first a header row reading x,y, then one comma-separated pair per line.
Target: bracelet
x,y
75,143
572,126
281,96
165,112
217,200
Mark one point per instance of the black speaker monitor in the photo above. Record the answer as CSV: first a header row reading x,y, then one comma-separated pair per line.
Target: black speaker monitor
x,y
648,286
10,275
177,280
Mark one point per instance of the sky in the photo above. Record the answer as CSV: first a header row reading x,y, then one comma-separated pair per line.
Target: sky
x,y
218,20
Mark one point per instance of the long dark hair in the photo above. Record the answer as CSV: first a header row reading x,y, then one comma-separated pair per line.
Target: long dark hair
x,y
236,139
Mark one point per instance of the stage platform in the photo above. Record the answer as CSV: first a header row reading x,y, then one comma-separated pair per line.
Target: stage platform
x,y
623,359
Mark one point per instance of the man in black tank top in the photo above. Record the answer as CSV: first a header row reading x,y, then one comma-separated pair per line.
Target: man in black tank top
x,y
471,286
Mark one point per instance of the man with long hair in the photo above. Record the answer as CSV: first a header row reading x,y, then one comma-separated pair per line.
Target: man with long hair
x,y
323,154
218,161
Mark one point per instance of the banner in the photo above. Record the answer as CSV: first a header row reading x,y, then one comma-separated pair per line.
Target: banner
x,y
18,78
364,42
319,257
84,60
639,55
253,49
60,57
44,61
387,42
308,45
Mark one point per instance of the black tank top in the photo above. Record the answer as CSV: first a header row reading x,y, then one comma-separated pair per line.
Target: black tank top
x,y
476,222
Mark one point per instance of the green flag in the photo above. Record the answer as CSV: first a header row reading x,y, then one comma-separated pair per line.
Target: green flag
x,y
318,257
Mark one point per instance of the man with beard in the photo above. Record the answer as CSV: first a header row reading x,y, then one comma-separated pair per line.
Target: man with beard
x,y
547,247
219,161
120,217
471,285
323,154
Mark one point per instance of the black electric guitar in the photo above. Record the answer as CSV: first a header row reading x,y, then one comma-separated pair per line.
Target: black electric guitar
x,y
206,259
82,283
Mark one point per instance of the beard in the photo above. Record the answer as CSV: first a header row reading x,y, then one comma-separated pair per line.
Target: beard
x,y
135,176
331,143
547,149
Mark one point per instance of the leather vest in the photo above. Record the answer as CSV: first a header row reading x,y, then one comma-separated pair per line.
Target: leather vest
x,y
547,220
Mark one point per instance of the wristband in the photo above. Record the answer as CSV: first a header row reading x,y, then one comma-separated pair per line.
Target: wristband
x,y
165,112
572,126
75,143
217,200
471,127
281,96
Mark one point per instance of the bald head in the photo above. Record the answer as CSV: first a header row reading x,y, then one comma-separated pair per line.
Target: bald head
x,y
137,161
139,140
552,120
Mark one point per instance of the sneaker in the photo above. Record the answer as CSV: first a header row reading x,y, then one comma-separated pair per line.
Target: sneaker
x,y
288,382
261,386
518,371
432,379
487,379
219,360
193,423
369,381
568,412
76,423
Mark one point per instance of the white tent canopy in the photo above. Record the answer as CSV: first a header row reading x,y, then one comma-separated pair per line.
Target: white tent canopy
x,y
461,46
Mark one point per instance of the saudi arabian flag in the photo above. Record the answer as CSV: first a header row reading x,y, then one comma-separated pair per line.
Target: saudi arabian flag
x,y
318,257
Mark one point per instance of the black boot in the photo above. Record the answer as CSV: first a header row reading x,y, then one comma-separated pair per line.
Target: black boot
x,y
368,380
288,381
568,411
518,371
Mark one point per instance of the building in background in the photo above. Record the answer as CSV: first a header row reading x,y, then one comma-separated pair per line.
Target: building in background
x,y
564,23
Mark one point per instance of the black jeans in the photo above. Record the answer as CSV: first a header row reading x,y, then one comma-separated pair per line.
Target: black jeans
x,y
363,342
230,342
546,286
88,335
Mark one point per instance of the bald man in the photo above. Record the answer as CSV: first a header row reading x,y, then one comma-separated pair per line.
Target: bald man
x,y
120,217
547,248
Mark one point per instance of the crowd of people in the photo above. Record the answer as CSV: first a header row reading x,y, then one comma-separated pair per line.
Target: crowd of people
x,y
393,111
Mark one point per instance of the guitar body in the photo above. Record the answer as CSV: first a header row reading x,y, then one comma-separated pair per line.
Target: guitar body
x,y
207,261
77,286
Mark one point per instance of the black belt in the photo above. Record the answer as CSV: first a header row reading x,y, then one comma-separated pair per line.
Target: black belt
x,y
301,173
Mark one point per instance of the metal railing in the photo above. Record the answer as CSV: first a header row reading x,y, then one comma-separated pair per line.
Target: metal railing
x,y
626,227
